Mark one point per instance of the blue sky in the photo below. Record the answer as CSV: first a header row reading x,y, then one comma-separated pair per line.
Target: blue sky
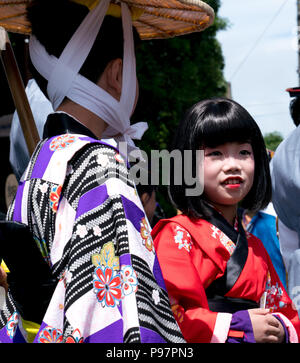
x,y
261,58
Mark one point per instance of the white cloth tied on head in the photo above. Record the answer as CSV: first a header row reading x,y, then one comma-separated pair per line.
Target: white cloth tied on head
x,y
65,81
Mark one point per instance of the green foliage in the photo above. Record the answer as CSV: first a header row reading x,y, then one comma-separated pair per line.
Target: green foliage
x,y
173,75
272,140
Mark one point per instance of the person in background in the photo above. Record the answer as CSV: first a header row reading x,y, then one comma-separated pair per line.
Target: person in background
x,y
147,194
263,225
41,108
285,172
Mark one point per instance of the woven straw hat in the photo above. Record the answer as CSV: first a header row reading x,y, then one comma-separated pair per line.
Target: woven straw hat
x,y
152,18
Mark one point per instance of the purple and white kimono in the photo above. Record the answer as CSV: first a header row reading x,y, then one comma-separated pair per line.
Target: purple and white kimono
x,y
85,214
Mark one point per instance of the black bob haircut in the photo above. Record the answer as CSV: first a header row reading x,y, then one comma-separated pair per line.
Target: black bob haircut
x,y
211,123
53,22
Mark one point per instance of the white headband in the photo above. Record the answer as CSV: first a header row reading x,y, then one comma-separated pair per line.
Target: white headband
x,y
64,80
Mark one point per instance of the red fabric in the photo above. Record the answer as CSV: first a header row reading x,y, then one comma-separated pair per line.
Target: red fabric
x,y
192,255
236,334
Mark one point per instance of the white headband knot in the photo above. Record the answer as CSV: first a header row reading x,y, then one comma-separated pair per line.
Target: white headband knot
x,y
65,81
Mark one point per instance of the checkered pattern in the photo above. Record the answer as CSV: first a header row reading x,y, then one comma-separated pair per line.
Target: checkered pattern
x,y
98,204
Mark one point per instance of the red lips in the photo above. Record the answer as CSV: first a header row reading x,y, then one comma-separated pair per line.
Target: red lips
x,y
233,182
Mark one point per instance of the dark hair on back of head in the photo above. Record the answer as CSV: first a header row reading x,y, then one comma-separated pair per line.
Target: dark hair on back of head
x,y
295,110
54,22
214,122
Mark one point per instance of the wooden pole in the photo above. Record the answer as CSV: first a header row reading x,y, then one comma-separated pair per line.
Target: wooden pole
x,y
17,89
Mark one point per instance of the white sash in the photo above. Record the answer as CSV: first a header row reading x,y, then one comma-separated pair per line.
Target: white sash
x,y
64,80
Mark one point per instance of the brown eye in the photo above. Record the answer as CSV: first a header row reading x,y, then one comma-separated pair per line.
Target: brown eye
x,y
245,152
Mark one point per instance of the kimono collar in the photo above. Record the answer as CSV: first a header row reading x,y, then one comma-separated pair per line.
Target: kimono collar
x,y
238,259
59,123
216,210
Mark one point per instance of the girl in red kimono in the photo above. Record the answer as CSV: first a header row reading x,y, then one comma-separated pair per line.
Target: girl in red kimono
x,y
220,279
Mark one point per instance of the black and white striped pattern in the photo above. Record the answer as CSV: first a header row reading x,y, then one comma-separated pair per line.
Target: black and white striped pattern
x,y
92,166
85,172
154,314
8,310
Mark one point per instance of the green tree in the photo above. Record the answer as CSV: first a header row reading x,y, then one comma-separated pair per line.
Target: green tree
x,y
174,74
272,140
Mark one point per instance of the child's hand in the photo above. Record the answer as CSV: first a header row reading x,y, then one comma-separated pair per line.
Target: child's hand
x,y
3,279
266,328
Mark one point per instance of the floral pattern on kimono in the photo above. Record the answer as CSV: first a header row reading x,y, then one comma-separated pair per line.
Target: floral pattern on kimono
x,y
111,284
188,272
275,298
89,222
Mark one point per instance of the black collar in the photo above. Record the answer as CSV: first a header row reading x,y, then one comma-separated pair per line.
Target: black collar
x,y
61,123
237,260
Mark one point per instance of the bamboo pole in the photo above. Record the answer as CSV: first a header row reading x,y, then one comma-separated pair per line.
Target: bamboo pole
x,y
17,89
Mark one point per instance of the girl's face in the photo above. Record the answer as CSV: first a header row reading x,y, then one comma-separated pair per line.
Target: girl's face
x,y
228,173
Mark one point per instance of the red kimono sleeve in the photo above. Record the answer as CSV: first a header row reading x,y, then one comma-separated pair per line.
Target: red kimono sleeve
x,y
177,255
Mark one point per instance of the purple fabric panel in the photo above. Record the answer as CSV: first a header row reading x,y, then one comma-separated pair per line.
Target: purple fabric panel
x,y
125,260
4,337
150,336
43,326
158,274
241,322
133,213
44,157
91,200
286,337
17,217
111,334
18,337
42,161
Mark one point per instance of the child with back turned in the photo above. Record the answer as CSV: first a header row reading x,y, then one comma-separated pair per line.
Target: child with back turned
x,y
220,279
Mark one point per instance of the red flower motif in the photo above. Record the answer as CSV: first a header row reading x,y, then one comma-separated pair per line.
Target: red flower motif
x,y
60,142
50,335
107,286
54,197
75,337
